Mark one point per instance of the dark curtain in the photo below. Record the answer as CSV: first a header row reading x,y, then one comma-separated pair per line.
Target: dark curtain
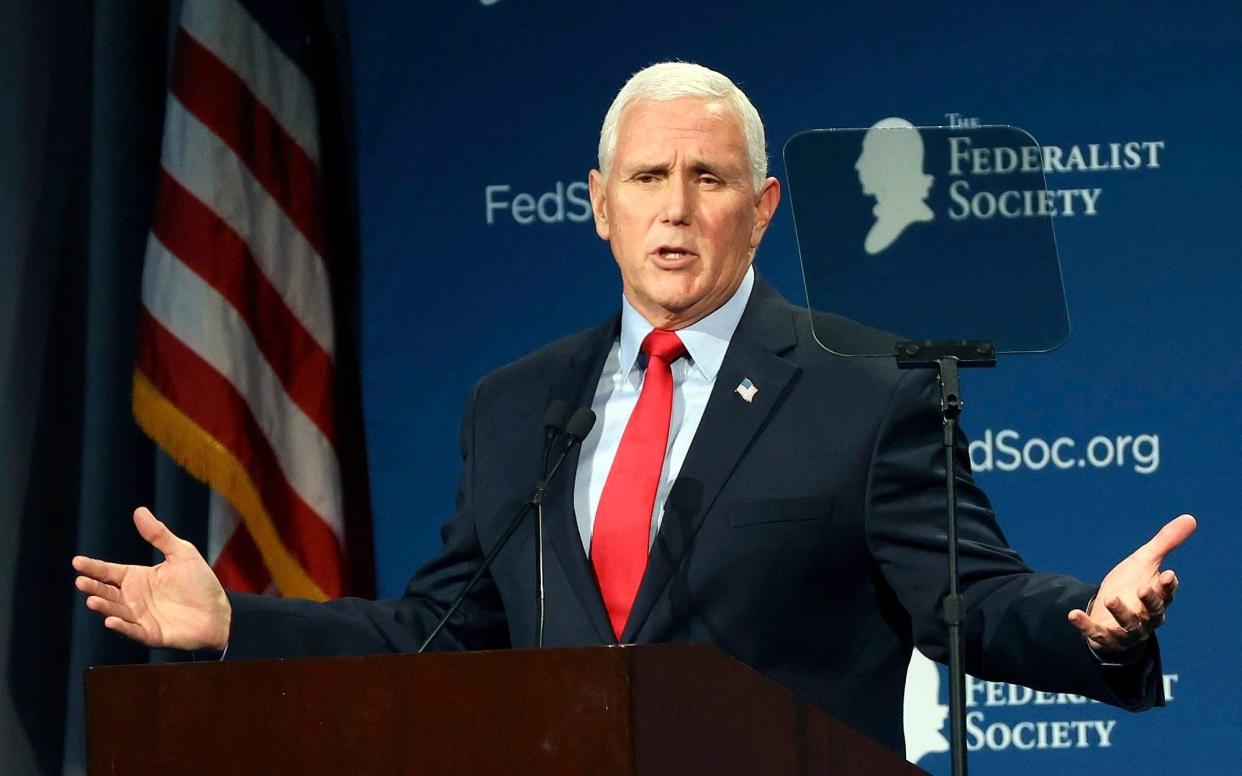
x,y
83,88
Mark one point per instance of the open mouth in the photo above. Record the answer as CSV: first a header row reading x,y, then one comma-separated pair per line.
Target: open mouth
x,y
672,256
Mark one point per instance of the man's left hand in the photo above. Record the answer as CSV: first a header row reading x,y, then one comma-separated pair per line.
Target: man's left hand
x,y
1134,597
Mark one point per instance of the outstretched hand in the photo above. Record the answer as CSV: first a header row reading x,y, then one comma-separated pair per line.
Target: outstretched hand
x,y
1134,597
178,603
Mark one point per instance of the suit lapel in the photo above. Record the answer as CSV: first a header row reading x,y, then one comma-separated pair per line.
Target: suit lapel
x,y
576,386
729,424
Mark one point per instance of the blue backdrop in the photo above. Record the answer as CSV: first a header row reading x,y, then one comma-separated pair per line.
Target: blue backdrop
x,y
477,124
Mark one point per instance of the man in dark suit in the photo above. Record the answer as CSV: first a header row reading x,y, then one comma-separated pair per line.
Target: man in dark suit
x,y
743,488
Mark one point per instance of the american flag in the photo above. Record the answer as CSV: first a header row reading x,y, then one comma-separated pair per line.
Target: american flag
x,y
747,390
235,372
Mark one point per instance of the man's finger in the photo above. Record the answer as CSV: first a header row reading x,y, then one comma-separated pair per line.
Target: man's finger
x,y
109,608
112,573
155,532
1170,536
1154,603
1079,619
1103,638
1129,620
1087,626
1152,600
95,587
1168,585
135,632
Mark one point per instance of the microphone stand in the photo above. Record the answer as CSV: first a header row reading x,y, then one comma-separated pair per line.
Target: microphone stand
x,y
946,357
554,422
579,425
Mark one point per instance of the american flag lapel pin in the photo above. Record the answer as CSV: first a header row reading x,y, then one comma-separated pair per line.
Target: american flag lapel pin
x,y
747,390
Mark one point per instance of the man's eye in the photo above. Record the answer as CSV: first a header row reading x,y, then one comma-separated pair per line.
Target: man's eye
x,y
709,180
645,177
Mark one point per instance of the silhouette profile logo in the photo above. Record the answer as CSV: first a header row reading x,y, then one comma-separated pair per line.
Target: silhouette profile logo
x,y
922,712
890,168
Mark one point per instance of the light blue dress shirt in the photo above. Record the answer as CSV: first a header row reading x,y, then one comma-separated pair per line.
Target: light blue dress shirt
x,y
617,393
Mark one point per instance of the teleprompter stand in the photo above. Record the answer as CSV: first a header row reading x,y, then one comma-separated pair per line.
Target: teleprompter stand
x,y
884,244
947,357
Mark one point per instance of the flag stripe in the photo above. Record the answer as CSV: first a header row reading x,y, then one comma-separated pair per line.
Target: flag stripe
x,y
231,551
209,170
218,98
222,518
206,323
229,32
295,28
205,244
214,405
205,458
240,564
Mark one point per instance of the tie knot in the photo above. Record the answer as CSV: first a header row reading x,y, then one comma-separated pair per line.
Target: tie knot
x,y
664,345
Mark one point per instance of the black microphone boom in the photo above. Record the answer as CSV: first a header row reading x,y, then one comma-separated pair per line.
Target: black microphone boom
x,y
578,427
553,426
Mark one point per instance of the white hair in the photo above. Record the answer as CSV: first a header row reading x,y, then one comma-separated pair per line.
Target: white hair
x,y
672,80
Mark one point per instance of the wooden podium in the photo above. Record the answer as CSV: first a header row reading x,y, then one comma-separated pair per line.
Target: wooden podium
x,y
664,709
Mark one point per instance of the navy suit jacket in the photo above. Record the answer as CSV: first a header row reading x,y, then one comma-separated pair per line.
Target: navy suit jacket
x,y
804,535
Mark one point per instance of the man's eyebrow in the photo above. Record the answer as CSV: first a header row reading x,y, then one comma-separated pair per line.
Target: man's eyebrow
x,y
641,168
709,168
697,168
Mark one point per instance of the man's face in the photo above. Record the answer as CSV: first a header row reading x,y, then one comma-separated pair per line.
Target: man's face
x,y
679,208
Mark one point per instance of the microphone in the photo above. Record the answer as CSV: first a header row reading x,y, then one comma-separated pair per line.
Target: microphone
x,y
579,425
553,424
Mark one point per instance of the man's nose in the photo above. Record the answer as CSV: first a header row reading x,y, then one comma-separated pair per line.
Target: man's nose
x,y
677,201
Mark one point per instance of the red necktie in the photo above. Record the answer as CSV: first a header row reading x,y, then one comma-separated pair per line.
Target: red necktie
x,y
620,539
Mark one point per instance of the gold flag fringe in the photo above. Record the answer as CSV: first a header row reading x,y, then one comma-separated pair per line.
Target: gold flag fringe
x,y
208,460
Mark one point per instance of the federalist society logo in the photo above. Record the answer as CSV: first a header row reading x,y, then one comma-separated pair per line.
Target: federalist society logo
x,y
1004,717
890,168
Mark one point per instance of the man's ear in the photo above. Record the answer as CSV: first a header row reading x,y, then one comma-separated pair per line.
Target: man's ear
x,y
765,208
595,182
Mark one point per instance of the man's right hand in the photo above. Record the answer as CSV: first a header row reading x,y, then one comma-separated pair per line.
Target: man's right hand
x,y
178,603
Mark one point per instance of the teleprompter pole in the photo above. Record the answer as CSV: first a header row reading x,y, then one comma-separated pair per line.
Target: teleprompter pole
x,y
946,357
954,611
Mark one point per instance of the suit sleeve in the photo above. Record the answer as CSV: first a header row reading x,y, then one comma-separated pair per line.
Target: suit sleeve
x,y
1016,628
265,627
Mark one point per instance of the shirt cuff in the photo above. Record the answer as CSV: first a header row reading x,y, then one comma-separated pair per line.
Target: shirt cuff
x,y
208,654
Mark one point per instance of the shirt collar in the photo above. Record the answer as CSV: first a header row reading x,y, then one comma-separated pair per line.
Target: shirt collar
x,y
706,340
